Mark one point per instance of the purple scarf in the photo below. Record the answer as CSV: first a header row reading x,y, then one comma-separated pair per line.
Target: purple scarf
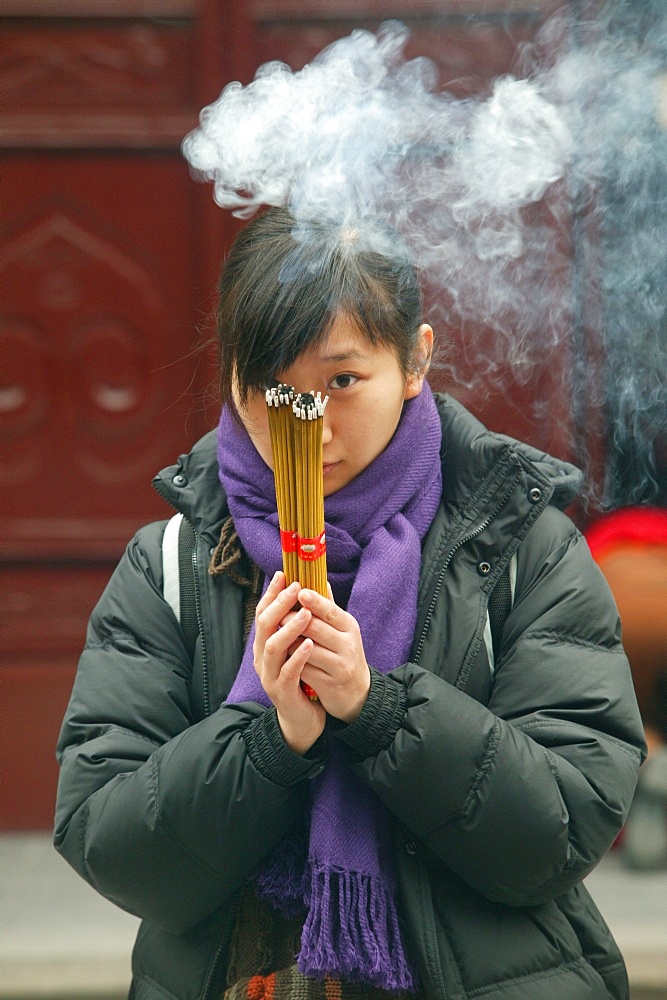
x,y
374,527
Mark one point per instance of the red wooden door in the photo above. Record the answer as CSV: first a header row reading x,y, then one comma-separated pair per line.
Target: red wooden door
x,y
107,277
110,258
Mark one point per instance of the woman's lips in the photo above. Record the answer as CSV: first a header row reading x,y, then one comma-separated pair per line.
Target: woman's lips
x,y
328,467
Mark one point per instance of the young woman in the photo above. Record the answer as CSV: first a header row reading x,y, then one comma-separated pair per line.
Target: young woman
x,y
425,826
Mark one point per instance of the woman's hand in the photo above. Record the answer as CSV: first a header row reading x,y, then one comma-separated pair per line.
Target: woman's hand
x,y
280,654
336,663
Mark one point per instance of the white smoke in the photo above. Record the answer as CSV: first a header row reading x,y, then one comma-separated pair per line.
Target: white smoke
x,y
531,212
336,137
326,139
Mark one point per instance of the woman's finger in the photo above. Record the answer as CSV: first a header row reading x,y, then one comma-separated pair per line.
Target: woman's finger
x,y
288,617
326,610
295,662
268,618
326,635
279,642
275,586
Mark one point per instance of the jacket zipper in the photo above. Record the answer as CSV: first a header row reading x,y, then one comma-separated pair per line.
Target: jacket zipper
x,y
224,941
200,626
206,992
482,526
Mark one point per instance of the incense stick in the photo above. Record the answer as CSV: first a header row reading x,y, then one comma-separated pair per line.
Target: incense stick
x,y
311,546
279,401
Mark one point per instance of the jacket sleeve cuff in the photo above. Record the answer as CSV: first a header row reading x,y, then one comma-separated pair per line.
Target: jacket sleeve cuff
x,y
376,726
274,759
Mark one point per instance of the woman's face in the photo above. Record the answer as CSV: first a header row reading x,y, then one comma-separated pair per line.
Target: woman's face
x,y
366,390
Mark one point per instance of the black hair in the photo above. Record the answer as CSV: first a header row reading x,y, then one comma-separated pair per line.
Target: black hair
x,y
285,282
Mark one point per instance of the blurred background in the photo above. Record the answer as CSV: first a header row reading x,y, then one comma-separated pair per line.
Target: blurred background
x,y
110,257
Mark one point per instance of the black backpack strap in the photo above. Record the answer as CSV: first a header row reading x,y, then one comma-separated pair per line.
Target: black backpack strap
x,y
500,605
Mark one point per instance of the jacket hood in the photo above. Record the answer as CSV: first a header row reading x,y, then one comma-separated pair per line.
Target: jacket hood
x,y
192,486
469,450
468,453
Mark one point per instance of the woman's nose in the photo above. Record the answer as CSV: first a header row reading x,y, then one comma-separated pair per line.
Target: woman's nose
x,y
327,431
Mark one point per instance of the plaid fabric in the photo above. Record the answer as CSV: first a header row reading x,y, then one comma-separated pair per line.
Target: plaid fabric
x,y
262,962
289,984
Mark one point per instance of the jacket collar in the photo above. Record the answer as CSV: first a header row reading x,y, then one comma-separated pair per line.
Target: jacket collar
x,y
469,453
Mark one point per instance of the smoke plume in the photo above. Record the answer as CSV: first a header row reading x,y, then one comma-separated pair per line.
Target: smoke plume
x,y
536,212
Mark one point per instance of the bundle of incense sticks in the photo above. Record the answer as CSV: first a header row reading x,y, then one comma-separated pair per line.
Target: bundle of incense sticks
x,y
295,425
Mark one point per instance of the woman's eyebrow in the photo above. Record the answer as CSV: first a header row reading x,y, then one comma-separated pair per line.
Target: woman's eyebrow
x,y
350,355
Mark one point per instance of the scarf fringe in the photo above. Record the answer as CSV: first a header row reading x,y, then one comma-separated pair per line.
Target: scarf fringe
x,y
352,933
283,882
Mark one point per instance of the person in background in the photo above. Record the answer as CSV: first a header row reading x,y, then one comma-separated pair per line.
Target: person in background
x,y
424,828
630,546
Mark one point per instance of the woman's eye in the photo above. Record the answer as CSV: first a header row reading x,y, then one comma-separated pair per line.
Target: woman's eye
x,y
342,381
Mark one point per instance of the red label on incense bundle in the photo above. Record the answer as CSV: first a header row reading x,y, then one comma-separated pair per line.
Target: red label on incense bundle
x,y
310,549
288,540
308,691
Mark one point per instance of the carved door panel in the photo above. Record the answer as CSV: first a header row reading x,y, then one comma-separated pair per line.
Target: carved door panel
x,y
98,337
108,272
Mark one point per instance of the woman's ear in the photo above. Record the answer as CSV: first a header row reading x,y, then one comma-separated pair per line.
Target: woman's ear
x,y
421,361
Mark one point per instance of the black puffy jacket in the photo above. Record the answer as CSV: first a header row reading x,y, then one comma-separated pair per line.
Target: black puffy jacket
x,y
507,782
